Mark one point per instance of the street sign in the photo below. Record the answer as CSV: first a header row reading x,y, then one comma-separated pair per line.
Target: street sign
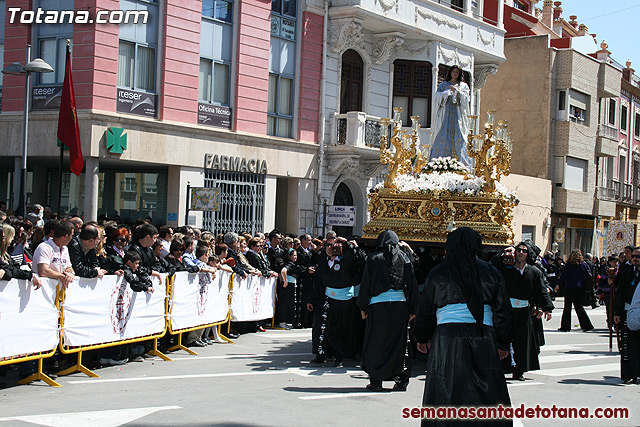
x,y
344,216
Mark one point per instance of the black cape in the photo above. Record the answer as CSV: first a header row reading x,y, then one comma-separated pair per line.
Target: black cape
x,y
463,367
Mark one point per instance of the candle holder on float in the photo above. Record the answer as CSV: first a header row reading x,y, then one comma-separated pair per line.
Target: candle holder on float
x,y
399,149
491,150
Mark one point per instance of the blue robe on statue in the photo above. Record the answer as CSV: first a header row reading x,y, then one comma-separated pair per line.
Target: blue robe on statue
x,y
451,127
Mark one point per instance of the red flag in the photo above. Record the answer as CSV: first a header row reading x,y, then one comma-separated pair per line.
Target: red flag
x,y
68,130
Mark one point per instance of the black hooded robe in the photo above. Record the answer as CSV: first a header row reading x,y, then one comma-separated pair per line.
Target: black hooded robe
x,y
385,336
463,367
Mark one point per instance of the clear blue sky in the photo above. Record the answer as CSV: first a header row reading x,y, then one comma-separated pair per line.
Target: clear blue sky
x,y
615,21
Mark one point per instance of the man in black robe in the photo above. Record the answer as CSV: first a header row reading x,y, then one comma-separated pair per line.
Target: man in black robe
x,y
464,316
526,290
627,281
303,317
387,300
332,300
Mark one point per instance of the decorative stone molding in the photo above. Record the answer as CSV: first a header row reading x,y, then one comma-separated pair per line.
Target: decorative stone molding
x,y
490,40
521,20
453,57
347,166
416,48
481,73
384,44
348,37
387,5
374,169
438,19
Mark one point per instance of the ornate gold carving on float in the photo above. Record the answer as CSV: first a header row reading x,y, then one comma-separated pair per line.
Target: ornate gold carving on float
x,y
427,215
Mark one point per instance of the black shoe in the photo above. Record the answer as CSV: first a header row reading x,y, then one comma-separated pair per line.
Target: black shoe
x,y
374,387
517,377
318,361
631,381
587,329
233,335
563,330
338,362
401,385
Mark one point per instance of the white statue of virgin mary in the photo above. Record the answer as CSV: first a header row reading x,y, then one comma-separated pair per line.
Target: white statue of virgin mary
x,y
451,127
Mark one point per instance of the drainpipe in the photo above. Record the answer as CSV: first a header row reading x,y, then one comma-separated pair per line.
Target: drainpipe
x,y
322,101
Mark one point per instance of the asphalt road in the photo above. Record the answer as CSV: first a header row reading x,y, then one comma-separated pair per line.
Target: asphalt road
x,y
264,379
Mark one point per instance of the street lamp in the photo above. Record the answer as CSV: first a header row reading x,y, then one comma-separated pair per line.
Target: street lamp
x,y
16,69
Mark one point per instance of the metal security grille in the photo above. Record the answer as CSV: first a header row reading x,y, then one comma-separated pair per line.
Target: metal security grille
x,y
241,202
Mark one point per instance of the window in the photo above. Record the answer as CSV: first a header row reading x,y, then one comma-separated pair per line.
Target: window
x,y
521,6
623,118
529,233
282,62
219,10
137,49
351,82
562,106
575,172
457,5
52,43
129,185
612,112
636,124
578,107
216,41
136,66
412,90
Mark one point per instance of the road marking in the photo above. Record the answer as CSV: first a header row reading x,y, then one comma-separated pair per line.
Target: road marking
x,y
559,358
241,356
179,377
108,418
560,347
524,383
577,370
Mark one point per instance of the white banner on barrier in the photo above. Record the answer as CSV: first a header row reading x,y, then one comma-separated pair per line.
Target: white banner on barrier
x,y
106,310
28,318
198,299
253,298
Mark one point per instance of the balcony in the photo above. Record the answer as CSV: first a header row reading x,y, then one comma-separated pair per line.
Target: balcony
x,y
605,193
607,141
356,129
608,81
627,193
456,24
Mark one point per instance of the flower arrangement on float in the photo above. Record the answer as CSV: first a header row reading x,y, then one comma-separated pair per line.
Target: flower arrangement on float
x,y
445,174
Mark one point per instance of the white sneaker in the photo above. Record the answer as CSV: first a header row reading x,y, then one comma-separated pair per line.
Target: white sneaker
x,y
284,325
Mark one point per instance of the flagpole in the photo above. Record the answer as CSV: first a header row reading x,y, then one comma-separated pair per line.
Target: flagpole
x,y
62,155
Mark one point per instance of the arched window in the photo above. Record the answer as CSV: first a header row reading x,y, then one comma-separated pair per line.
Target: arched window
x,y
351,82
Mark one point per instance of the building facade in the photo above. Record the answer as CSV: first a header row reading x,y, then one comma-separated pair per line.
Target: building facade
x,y
554,90
210,93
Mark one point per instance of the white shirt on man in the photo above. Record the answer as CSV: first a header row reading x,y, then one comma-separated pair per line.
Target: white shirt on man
x,y
51,254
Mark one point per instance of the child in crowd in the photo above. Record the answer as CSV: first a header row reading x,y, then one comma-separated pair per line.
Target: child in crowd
x,y
139,282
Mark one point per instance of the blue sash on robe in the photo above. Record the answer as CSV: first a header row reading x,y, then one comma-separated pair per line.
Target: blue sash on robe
x,y
342,294
459,313
391,295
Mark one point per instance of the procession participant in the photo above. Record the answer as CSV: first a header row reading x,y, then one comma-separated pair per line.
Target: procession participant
x,y
464,316
387,300
303,317
526,290
534,260
287,291
603,291
629,340
331,300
